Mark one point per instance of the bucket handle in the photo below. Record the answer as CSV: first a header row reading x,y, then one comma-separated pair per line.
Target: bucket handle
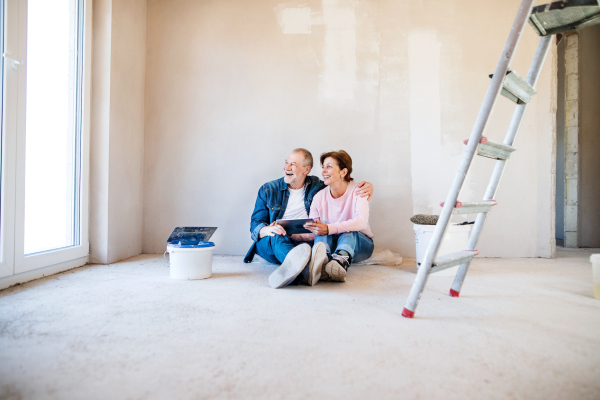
x,y
165,255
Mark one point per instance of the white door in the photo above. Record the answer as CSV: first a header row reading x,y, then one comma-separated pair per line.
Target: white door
x,y
47,125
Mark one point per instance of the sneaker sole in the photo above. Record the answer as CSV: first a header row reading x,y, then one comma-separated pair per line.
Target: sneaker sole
x,y
335,271
318,259
292,266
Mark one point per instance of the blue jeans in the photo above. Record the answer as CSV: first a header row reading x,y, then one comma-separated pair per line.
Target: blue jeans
x,y
274,249
358,245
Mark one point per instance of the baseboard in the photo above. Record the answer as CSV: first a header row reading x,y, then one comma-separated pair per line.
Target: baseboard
x,y
41,272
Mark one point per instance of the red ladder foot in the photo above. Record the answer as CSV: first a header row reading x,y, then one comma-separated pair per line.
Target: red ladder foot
x,y
407,313
454,293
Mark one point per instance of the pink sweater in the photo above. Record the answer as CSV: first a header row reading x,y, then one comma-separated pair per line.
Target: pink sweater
x,y
348,213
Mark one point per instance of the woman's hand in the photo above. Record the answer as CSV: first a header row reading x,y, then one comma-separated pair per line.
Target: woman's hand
x,y
272,230
317,227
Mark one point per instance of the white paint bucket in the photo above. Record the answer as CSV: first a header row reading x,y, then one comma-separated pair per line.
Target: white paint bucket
x,y
595,259
454,240
191,261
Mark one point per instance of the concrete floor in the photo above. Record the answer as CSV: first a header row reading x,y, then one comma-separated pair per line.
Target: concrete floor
x,y
522,329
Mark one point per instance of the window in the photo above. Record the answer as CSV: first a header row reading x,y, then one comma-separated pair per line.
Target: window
x,y
51,126
46,99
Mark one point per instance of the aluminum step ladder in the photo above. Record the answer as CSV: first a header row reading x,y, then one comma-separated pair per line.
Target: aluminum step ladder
x,y
547,20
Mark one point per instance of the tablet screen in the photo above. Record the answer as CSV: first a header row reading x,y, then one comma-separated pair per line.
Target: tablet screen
x,y
294,226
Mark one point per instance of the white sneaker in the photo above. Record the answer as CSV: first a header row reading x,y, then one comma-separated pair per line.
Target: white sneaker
x,y
292,266
318,259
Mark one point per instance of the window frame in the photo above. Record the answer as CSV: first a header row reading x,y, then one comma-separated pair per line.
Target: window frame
x,y
15,39
10,27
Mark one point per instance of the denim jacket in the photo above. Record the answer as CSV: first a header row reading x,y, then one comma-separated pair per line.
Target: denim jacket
x,y
271,203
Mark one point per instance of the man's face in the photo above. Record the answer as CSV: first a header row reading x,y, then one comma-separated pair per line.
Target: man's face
x,y
294,169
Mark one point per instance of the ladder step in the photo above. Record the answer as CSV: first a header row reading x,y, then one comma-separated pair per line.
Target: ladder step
x,y
495,151
452,259
472,208
563,16
516,88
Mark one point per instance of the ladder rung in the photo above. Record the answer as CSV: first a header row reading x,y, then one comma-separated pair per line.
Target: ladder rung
x,y
472,208
493,150
452,259
516,88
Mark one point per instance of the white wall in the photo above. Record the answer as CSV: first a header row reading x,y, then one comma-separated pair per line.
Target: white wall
x,y
100,130
232,86
117,133
545,114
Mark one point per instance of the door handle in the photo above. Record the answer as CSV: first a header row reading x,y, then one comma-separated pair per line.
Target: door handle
x,y
15,62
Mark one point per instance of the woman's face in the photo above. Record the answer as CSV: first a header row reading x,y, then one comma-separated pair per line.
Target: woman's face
x,y
331,171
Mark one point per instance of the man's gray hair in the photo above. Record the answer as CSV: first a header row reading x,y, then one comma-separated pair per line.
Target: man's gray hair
x,y
308,158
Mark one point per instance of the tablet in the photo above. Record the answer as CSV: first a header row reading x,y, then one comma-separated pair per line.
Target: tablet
x,y
293,226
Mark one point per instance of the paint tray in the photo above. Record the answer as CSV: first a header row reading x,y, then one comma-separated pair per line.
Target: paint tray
x,y
190,235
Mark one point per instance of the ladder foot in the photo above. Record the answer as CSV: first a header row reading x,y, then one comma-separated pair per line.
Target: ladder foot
x,y
407,313
454,293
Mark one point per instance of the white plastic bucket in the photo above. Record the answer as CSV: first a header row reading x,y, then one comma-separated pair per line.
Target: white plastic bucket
x,y
190,263
595,259
454,240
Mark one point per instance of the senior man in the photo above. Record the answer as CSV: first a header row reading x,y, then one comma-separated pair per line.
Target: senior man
x,y
289,197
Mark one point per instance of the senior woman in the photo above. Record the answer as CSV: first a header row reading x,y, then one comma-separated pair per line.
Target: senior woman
x,y
341,220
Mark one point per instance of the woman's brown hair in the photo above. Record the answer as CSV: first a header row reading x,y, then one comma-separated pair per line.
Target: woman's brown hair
x,y
343,159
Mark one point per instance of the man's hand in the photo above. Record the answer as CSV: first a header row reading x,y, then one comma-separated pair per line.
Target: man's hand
x,y
317,227
365,189
272,230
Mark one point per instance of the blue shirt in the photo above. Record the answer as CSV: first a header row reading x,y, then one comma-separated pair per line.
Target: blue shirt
x,y
271,203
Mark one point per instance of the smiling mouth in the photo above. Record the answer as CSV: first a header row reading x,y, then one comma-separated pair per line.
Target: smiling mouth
x,y
289,173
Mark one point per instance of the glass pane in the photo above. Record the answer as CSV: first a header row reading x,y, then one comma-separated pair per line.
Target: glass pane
x,y
51,158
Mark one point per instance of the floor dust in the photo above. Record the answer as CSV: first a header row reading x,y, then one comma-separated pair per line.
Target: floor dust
x,y
522,328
